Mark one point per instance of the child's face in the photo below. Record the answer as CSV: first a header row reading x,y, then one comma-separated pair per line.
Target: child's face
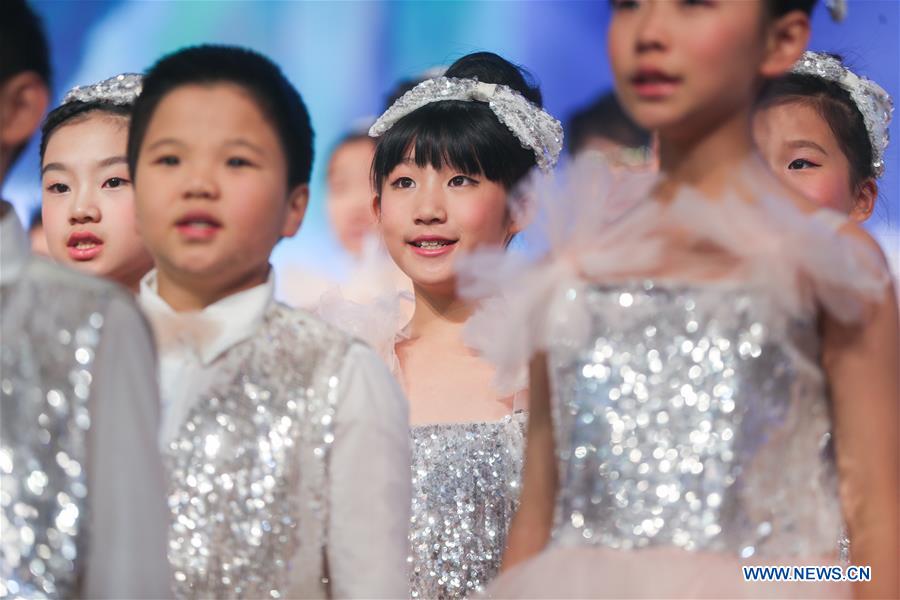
x,y
680,65
211,186
350,193
801,149
88,200
429,217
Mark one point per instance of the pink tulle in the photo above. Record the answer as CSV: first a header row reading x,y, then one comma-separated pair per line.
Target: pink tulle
x,y
379,323
594,225
372,277
375,305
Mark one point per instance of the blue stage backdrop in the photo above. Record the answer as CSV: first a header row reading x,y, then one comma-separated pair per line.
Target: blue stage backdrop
x,y
345,56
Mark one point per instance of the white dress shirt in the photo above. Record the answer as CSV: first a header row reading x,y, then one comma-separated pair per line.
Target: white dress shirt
x,y
369,487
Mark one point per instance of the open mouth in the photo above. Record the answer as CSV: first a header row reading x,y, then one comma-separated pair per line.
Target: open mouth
x,y
432,246
83,245
198,225
652,83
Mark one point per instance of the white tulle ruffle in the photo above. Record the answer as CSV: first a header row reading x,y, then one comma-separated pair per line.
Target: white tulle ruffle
x,y
591,224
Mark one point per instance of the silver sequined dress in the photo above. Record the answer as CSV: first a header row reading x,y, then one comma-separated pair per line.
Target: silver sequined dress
x,y
465,476
687,421
465,488
687,424
691,413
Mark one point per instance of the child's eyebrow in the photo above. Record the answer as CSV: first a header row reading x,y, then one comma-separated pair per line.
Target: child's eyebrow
x,y
112,160
53,167
245,144
164,141
806,144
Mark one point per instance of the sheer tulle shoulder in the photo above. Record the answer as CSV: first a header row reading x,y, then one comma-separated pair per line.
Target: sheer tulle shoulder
x,y
379,323
590,225
374,305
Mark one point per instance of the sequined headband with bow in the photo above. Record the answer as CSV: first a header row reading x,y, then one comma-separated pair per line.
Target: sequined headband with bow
x,y
873,102
535,129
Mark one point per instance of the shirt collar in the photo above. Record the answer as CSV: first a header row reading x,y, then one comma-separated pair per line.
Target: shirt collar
x,y
15,251
211,331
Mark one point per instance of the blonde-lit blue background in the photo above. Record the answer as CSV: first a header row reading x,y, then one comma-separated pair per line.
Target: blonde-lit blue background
x,y
344,57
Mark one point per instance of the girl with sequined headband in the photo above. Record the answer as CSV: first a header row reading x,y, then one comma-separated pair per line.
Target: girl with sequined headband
x,y
88,199
285,440
449,151
824,131
713,383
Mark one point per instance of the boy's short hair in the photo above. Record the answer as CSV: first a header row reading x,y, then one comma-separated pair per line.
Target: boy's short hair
x,y
276,98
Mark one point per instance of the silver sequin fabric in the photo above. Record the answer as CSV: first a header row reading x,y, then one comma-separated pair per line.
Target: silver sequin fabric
x,y
689,421
249,468
122,90
534,127
466,480
45,389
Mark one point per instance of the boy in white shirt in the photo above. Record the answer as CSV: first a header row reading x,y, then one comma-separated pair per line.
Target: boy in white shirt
x,y
285,439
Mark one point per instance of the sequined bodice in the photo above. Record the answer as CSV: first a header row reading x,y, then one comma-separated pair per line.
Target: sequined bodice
x,y
249,469
465,488
693,418
47,370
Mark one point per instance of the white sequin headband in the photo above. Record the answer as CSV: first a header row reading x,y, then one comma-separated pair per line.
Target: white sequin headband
x,y
873,102
532,126
121,90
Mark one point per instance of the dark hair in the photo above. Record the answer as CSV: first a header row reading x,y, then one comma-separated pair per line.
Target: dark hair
x,y
276,98
23,46
834,104
465,135
604,118
73,112
779,8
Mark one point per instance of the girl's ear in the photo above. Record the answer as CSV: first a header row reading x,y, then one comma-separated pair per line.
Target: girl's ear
x,y
866,196
515,223
516,215
376,207
786,39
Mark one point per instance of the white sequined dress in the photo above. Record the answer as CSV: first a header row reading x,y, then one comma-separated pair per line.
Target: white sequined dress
x,y
691,412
